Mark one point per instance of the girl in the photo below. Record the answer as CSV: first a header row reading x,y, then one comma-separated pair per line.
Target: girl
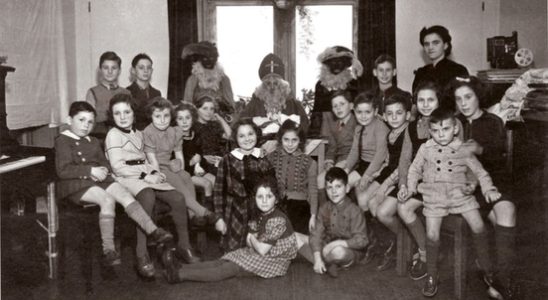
x,y
236,177
368,147
185,116
485,136
269,246
212,132
84,177
436,43
161,140
296,174
125,151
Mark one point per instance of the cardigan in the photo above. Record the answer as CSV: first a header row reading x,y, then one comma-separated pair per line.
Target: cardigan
x,y
374,148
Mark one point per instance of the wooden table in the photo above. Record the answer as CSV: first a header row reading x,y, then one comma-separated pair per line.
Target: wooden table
x,y
53,223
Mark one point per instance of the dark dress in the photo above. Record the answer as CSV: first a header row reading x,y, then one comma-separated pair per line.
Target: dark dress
x,y
442,73
209,138
233,198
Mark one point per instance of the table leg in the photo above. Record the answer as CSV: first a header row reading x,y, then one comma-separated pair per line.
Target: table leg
x,y
53,225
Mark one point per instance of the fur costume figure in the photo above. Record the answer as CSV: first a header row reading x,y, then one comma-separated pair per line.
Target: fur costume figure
x,y
208,77
339,71
272,103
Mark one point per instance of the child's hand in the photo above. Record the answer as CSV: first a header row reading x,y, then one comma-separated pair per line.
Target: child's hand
x,y
319,266
312,223
194,160
220,226
198,170
99,173
473,147
364,182
492,196
153,178
403,194
248,240
328,165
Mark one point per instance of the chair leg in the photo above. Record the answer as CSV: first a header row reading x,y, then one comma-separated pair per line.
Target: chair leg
x,y
86,254
460,247
404,249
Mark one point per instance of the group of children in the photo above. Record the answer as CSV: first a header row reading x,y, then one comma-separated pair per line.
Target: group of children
x,y
397,152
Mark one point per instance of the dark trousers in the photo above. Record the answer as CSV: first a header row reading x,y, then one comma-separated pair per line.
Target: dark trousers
x,y
298,212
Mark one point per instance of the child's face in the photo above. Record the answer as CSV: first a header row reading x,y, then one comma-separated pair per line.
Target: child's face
x,y
184,120
364,113
396,115
434,46
290,141
246,137
143,70
341,107
81,124
467,101
161,118
336,190
443,132
427,102
265,199
384,72
123,115
110,70
206,112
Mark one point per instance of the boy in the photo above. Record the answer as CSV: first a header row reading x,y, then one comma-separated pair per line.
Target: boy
x,y
340,234
385,72
140,89
99,96
400,151
341,125
442,163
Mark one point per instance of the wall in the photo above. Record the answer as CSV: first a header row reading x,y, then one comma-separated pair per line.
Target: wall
x,y
529,19
467,22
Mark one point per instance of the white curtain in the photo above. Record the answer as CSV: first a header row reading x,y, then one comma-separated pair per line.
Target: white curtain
x,y
31,35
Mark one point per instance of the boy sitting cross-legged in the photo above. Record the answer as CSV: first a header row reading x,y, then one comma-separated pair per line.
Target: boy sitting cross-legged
x,y
340,234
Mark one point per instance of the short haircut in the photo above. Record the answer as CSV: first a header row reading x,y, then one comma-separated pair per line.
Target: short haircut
x,y
138,57
441,114
442,32
336,173
401,98
79,106
267,182
243,122
187,106
160,104
110,55
346,94
366,97
200,101
428,85
120,98
384,58
473,83
290,125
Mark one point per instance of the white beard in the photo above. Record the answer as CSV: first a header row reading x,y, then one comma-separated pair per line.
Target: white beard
x,y
335,82
208,79
274,100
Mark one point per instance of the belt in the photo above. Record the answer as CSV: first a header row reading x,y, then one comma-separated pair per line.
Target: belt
x,y
135,162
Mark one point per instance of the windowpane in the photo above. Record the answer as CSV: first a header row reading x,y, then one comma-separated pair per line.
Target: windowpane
x,y
318,27
245,34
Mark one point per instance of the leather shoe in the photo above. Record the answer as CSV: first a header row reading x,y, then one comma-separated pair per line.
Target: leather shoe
x,y
160,236
370,253
145,268
333,270
389,257
187,255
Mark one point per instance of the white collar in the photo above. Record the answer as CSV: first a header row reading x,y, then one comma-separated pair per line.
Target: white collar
x,y
71,134
239,155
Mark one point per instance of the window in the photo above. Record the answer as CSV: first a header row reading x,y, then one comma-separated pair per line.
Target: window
x,y
245,31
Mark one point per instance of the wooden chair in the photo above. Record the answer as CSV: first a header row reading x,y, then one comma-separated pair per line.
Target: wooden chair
x,y
453,225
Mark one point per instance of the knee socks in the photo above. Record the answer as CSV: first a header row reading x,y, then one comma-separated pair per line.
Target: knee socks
x,y
432,250
419,234
106,226
136,212
481,243
505,242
